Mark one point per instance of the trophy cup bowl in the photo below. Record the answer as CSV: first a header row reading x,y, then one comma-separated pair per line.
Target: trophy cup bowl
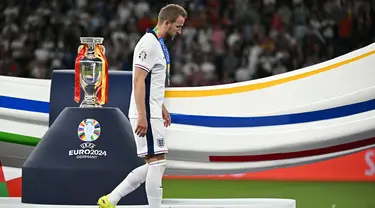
x,y
91,72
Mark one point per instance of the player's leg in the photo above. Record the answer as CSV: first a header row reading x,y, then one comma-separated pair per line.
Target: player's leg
x,y
154,190
157,163
133,180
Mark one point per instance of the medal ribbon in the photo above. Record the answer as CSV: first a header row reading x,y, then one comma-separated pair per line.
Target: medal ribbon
x,y
166,54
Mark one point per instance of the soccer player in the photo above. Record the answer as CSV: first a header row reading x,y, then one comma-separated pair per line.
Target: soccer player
x,y
147,113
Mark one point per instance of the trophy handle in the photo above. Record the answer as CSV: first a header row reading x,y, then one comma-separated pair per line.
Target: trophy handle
x,y
102,48
80,48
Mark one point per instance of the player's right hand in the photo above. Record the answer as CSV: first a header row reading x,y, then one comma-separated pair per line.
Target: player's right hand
x,y
141,129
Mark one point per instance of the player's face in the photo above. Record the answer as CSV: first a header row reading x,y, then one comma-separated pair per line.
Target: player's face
x,y
175,28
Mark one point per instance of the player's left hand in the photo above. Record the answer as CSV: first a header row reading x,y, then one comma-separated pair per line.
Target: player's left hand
x,y
166,117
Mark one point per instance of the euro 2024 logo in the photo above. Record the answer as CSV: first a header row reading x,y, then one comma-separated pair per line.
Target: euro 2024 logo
x,y
88,131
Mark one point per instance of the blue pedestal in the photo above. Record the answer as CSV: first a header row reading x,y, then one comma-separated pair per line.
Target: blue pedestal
x,y
63,169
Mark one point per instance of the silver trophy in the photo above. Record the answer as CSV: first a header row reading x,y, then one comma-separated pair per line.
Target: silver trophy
x,y
90,70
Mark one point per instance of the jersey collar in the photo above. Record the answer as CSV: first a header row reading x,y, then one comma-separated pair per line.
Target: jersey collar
x,y
153,32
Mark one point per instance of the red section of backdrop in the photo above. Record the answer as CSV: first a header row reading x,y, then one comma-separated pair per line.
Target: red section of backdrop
x,y
355,167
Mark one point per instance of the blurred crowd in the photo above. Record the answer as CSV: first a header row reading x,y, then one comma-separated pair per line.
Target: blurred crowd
x,y
223,41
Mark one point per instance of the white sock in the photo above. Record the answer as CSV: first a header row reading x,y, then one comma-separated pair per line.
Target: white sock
x,y
132,181
154,189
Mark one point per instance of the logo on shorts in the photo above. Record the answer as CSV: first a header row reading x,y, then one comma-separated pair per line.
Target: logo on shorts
x,y
160,142
88,131
142,55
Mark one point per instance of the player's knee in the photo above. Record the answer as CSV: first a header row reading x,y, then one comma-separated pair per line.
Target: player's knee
x,y
159,165
155,158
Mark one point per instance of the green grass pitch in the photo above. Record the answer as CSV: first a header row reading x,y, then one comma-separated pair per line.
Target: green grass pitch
x,y
307,194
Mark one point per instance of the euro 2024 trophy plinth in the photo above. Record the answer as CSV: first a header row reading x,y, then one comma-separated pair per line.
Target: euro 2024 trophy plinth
x,y
91,73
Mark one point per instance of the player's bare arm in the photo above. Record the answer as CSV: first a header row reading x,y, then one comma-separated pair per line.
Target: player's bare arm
x,y
166,117
139,94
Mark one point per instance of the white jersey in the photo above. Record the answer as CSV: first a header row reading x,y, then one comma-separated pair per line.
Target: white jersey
x,y
149,56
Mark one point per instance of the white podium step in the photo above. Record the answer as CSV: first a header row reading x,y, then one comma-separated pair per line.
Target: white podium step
x,y
176,203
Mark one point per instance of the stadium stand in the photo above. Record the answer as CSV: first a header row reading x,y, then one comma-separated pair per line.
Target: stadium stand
x,y
223,41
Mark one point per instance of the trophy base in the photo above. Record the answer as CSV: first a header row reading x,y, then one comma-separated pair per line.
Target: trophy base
x,y
86,104
89,106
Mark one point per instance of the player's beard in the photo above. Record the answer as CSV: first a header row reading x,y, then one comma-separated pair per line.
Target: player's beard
x,y
170,37
168,41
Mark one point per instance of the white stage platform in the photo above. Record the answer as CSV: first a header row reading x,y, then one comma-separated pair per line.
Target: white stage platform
x,y
176,203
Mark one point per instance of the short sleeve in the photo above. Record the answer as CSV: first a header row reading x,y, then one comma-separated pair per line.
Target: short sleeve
x,y
145,57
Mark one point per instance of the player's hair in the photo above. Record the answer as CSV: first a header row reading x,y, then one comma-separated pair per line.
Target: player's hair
x,y
171,12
